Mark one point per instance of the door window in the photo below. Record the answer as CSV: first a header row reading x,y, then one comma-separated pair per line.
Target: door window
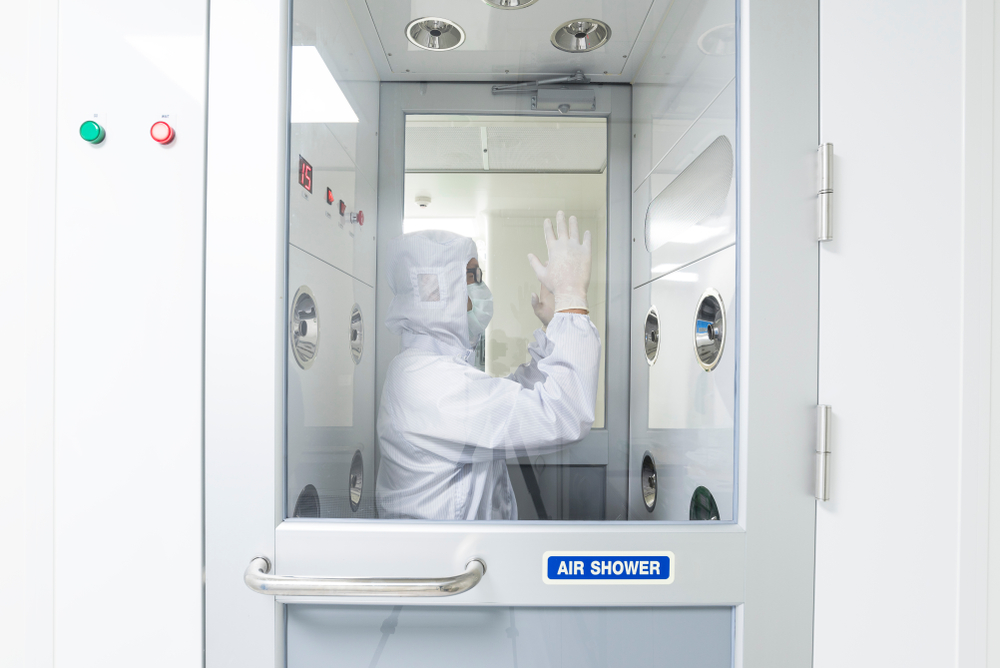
x,y
377,431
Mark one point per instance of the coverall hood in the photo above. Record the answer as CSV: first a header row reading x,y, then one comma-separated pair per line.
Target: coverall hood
x,y
430,297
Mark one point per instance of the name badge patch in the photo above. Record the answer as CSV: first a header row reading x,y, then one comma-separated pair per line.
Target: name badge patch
x,y
608,567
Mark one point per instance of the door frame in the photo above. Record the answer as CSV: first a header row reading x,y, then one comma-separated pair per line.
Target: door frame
x,y
773,537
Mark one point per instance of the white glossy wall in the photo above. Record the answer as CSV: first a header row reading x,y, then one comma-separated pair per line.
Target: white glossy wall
x,y
107,332
26,224
900,545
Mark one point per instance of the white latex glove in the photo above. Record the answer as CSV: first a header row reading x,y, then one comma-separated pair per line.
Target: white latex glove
x,y
543,305
567,275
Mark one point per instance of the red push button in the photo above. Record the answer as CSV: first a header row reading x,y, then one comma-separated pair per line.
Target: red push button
x,y
361,217
161,133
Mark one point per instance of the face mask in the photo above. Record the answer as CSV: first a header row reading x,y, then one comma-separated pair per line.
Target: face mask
x,y
482,310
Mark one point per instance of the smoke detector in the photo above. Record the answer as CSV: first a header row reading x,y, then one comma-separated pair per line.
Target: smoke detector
x,y
423,201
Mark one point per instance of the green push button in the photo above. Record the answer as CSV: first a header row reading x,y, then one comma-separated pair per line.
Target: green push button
x,y
92,132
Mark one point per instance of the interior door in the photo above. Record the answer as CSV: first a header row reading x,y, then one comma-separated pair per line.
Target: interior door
x,y
680,529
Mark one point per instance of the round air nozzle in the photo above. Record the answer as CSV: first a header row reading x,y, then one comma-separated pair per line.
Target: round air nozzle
x,y
709,329
356,480
435,34
648,482
303,328
510,4
703,506
307,505
581,35
357,334
651,336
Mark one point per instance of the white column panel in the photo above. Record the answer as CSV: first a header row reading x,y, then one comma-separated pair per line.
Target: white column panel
x,y
244,322
14,337
128,335
891,331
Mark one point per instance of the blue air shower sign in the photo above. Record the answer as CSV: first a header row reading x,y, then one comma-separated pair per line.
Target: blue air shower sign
x,y
608,567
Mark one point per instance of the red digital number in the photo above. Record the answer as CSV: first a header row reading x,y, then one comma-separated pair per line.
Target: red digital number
x,y
305,174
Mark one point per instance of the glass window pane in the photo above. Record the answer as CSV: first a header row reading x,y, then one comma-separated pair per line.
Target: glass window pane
x,y
388,637
497,180
668,453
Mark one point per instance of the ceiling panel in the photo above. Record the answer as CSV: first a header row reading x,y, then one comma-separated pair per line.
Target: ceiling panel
x,y
503,42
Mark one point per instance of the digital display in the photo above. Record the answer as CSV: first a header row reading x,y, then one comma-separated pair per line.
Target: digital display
x,y
305,174
329,196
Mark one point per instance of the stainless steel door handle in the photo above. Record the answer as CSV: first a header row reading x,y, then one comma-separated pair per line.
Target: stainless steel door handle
x,y
257,577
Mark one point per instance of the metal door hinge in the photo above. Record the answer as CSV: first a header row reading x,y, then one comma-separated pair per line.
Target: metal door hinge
x,y
823,452
825,190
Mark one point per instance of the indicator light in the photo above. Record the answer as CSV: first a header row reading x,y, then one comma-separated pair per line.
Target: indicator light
x,y
161,133
343,207
92,132
329,196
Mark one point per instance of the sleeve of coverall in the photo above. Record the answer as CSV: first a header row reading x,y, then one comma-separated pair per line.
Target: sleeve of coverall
x,y
475,417
528,374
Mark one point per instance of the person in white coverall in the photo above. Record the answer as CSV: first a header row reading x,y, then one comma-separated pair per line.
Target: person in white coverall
x,y
446,428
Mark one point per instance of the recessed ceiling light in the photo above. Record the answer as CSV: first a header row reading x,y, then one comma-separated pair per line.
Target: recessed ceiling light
x,y
435,34
581,35
510,4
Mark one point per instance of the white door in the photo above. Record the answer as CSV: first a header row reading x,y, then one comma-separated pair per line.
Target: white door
x,y
680,529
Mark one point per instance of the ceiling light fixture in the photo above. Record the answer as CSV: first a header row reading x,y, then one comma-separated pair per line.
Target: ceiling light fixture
x,y
435,34
510,4
581,35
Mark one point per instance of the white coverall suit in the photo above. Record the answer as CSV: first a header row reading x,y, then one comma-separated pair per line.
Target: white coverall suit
x,y
444,427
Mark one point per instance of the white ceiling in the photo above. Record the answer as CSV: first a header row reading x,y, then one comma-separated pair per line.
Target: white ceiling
x,y
507,45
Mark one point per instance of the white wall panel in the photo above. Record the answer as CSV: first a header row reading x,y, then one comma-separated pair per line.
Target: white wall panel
x,y
680,242
128,335
679,80
318,227
888,540
331,403
683,415
14,345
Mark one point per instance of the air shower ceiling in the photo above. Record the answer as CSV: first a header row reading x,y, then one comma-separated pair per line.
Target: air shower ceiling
x,y
503,45
505,144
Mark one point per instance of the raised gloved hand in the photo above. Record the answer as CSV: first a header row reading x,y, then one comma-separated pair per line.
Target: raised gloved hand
x,y
567,275
544,305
